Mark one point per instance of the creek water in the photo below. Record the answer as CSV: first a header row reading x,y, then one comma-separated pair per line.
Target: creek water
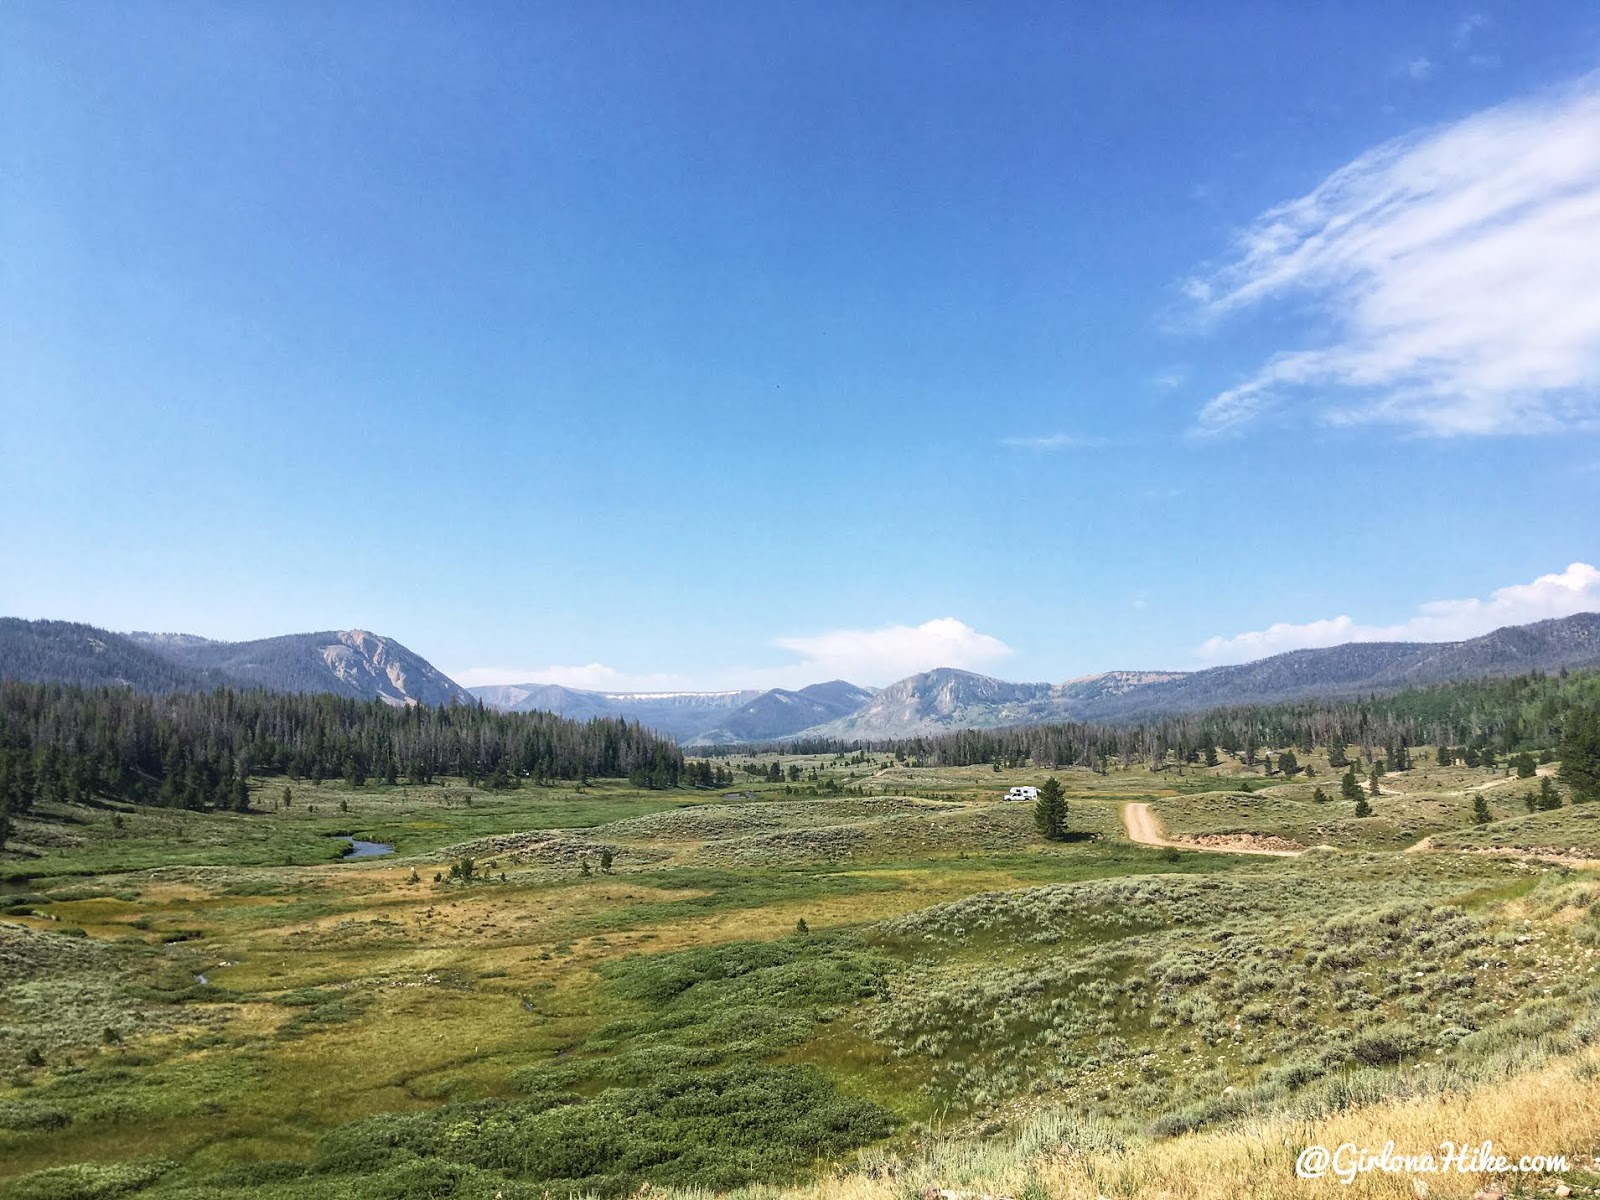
x,y
360,849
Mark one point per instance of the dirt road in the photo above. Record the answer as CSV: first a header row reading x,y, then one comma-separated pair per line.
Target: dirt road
x,y
1143,828
1497,781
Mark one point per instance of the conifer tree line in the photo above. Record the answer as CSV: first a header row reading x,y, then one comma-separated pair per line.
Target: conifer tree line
x,y
197,749
1481,723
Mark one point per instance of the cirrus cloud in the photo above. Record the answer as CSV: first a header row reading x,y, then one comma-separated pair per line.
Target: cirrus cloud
x,y
864,656
878,656
1053,441
1457,267
590,677
1574,590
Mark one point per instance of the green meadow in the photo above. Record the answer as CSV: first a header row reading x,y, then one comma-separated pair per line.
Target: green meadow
x,y
582,991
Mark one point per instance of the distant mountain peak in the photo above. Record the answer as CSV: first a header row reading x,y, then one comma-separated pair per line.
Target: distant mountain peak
x,y
352,662
694,718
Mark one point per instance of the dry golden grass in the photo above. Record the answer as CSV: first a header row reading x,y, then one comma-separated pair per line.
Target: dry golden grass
x,y
1554,1110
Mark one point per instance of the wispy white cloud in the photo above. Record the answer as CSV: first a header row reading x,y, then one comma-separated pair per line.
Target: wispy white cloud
x,y
1574,590
1052,441
1467,26
883,655
1457,268
1419,68
871,656
593,677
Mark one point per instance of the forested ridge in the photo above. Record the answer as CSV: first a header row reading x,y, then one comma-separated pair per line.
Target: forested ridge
x,y
198,749
1503,715
69,652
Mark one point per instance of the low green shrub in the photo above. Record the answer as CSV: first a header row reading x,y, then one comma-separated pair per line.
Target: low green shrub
x,y
86,1181
29,1115
719,1128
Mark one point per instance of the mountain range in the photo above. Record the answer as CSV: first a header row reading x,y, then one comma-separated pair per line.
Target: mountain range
x,y
349,662
360,664
946,699
694,718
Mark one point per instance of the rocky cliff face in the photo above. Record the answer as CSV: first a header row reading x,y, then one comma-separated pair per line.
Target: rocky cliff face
x,y
372,665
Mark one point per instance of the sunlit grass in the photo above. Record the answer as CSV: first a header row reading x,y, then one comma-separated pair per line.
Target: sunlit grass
x,y
919,949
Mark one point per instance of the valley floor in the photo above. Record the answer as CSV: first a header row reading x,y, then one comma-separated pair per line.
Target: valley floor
x,y
867,985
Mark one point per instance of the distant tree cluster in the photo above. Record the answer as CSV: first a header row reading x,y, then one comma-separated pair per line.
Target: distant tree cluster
x,y
198,749
704,773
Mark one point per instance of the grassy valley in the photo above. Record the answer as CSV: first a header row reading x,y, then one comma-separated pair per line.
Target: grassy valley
x,y
878,976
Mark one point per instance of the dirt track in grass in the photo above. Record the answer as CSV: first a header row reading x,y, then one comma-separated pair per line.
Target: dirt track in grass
x,y
1142,827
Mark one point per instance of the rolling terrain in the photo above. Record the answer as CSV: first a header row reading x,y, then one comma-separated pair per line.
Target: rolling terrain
x,y
870,984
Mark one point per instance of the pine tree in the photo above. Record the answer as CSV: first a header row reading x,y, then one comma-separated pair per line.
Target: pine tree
x,y
1349,788
1480,810
1579,753
1549,798
1363,809
1050,811
1320,796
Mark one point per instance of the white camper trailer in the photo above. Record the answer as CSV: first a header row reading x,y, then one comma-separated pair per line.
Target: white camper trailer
x,y
1023,793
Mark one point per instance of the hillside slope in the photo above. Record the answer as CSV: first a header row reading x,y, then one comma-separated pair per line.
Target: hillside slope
x,y
779,713
1342,671
69,652
349,662
680,715
945,699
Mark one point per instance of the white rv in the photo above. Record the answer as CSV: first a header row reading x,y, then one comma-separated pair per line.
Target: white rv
x,y
1023,793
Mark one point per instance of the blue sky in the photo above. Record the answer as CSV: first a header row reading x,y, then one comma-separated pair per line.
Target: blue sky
x,y
647,345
